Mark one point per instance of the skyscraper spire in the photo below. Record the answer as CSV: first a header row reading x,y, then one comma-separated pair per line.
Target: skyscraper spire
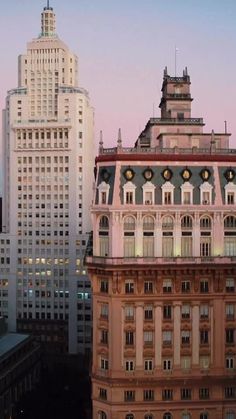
x,y
48,21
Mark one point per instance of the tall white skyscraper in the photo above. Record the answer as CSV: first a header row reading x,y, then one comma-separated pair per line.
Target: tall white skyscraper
x,y
48,155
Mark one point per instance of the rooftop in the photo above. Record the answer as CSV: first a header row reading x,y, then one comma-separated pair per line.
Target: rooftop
x,y
10,341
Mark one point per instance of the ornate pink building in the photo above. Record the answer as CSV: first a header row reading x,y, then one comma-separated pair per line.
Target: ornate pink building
x,y
163,270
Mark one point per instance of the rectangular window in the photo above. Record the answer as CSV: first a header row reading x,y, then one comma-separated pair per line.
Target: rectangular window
x,y
187,198
148,338
148,312
230,392
129,287
167,198
205,246
148,395
129,396
204,311
167,286
148,365
104,311
148,287
204,286
167,394
129,197
104,286
103,393
204,393
129,312
167,245
230,285
186,246
185,311
129,338
167,364
167,312
229,311
230,246
204,337
104,364
104,337
230,362
185,362
185,393
185,286
185,337
167,337
230,198
229,336
129,365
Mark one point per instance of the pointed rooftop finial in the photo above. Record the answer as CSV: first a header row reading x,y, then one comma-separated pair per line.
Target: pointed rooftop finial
x,y
101,142
48,4
119,141
165,71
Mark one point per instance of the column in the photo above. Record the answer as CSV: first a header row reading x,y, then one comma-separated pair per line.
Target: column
x,y
195,334
139,236
139,335
177,236
158,237
177,342
196,236
158,334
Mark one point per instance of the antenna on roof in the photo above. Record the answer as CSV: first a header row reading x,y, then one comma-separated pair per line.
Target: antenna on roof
x,y
176,50
48,4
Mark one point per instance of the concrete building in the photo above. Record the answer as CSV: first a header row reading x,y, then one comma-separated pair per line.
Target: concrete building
x,y
163,270
20,366
48,164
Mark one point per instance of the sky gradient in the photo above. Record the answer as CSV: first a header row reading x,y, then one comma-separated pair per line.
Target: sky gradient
x,y
123,47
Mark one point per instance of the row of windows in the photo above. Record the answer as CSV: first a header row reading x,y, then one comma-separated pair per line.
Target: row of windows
x,y
167,286
167,394
168,415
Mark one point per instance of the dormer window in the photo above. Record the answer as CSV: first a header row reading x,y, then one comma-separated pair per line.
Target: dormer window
x,y
167,193
230,193
206,193
103,192
129,193
148,193
187,193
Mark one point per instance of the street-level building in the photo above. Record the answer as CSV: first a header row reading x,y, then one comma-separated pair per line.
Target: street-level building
x,y
48,165
163,270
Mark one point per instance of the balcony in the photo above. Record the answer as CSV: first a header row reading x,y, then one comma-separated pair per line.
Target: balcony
x,y
218,260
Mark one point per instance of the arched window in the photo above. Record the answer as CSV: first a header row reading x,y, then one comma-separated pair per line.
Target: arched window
x,y
230,236
186,222
205,238
230,415
102,415
129,236
186,236
186,415
104,236
205,222
167,415
148,416
204,415
167,236
104,223
129,416
148,236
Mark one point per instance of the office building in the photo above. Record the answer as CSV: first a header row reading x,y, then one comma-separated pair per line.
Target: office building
x,y
47,191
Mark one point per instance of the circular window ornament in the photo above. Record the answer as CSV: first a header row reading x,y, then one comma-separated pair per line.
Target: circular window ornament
x,y
229,174
148,174
186,174
129,174
167,174
205,174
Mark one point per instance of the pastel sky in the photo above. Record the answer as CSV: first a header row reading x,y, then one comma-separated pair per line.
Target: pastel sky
x,y
123,47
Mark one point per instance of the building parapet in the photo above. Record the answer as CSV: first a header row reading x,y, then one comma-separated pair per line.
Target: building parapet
x,y
179,121
17,91
212,260
161,150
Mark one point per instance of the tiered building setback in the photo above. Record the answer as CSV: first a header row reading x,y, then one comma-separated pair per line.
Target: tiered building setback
x,y
48,165
163,270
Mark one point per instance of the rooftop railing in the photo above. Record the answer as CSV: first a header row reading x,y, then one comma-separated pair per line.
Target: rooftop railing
x,y
189,121
160,150
99,260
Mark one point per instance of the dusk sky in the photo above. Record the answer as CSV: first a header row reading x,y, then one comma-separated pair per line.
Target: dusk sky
x,y
123,47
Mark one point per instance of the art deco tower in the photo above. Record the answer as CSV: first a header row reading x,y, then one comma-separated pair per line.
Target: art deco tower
x,y
48,165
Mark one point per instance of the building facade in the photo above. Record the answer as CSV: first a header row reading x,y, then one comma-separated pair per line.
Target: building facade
x,y
163,270
48,160
20,366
